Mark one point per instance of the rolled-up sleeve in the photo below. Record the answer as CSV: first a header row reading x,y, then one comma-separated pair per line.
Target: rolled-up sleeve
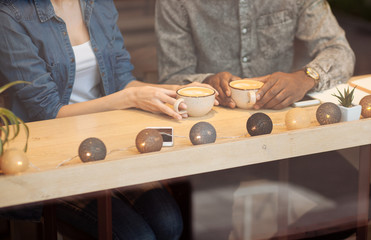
x,y
327,45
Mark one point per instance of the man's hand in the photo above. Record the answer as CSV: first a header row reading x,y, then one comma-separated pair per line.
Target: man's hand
x,y
282,89
220,82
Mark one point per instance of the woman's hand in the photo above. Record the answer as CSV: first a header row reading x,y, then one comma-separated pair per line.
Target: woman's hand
x,y
153,99
149,97
220,82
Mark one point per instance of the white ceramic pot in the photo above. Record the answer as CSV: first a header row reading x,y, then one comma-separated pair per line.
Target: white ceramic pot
x,y
350,113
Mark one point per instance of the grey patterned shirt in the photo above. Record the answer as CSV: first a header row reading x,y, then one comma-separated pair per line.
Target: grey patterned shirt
x,y
249,38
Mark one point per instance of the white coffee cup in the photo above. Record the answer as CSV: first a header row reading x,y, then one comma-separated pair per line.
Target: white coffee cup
x,y
243,92
199,100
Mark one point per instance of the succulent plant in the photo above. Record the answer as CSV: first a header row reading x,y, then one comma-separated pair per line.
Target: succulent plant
x,y
10,120
345,99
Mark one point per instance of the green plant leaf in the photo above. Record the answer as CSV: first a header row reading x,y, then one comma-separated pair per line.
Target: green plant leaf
x,y
27,131
2,142
345,99
6,129
8,117
352,93
12,120
8,85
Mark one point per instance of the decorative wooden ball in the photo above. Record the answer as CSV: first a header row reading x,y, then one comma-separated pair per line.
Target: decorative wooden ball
x,y
259,124
202,133
92,149
148,140
14,161
366,106
328,113
297,118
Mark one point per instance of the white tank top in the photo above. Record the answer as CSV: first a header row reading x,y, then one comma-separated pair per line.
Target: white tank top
x,y
87,78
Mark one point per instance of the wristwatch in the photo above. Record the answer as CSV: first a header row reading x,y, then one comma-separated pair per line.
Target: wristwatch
x,y
313,74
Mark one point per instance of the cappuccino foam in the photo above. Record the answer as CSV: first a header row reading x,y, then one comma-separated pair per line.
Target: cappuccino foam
x,y
195,92
246,84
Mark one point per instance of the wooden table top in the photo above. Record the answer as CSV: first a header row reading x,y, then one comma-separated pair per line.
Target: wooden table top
x,y
54,141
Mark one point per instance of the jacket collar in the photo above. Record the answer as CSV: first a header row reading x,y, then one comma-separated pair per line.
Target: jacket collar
x,y
45,9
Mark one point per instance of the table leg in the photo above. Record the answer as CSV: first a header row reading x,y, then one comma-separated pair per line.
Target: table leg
x,y
283,198
50,222
104,215
363,192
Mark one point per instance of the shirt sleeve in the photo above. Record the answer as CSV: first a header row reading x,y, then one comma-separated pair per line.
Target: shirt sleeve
x,y
19,60
175,65
332,56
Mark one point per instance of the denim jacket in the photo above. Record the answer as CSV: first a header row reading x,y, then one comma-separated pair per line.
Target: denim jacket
x,y
35,47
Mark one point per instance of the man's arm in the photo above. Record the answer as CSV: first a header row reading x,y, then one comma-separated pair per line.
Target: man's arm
x,y
332,56
177,59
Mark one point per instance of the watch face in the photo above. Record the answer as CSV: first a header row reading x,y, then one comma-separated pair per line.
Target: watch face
x,y
312,73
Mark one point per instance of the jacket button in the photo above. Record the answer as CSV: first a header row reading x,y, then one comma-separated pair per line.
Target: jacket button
x,y
245,59
72,60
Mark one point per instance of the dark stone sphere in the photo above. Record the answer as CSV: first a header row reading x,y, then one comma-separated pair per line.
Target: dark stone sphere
x,y
259,124
328,113
92,149
202,133
366,106
148,140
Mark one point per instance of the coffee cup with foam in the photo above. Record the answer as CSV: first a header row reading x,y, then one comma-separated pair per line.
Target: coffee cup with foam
x,y
243,92
199,100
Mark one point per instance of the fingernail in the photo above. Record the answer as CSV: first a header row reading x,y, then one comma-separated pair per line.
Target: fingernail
x,y
257,96
256,107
